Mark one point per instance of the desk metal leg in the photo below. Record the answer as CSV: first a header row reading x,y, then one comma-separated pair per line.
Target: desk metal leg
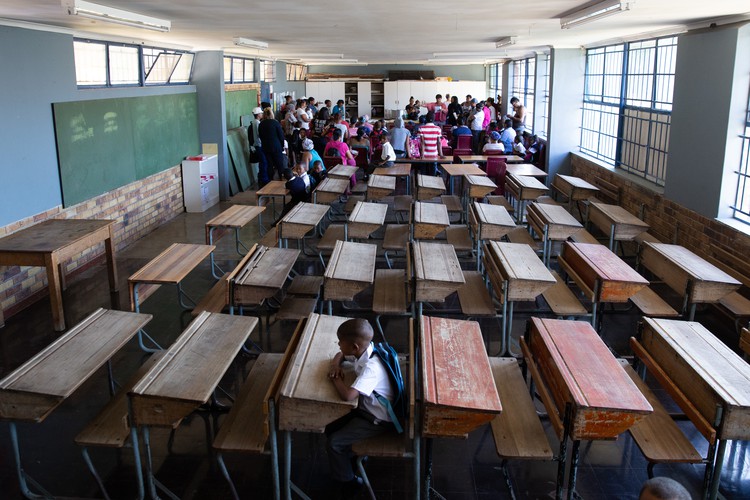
x,y
22,476
150,478
142,333
214,266
612,238
287,465
716,473
573,469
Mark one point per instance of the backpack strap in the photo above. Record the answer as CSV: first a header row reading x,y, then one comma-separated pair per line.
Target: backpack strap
x,y
389,408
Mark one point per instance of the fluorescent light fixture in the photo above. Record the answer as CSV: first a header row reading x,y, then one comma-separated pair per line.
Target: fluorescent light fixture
x,y
463,54
593,13
117,16
331,61
505,41
246,42
299,57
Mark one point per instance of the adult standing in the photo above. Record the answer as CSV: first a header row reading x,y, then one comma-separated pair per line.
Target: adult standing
x,y
429,141
256,147
519,115
400,138
272,138
476,119
302,115
454,111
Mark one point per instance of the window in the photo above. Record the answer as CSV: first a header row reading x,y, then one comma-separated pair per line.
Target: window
x,y
296,72
627,105
742,198
496,77
523,87
544,62
268,71
239,70
107,64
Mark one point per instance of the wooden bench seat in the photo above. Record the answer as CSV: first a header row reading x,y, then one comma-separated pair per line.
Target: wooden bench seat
x,y
334,233
583,236
657,435
396,239
216,299
271,238
745,342
458,236
474,296
389,292
307,286
501,201
402,205
521,235
352,202
453,204
561,299
547,200
736,304
644,237
650,304
296,308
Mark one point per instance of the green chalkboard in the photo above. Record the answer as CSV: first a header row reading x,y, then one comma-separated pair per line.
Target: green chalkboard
x,y
107,143
238,103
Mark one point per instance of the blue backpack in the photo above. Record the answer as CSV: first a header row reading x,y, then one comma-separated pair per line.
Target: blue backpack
x,y
398,408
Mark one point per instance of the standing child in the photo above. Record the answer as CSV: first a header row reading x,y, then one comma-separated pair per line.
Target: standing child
x,y
370,418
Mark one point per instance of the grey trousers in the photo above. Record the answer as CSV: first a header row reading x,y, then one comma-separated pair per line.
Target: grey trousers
x,y
342,434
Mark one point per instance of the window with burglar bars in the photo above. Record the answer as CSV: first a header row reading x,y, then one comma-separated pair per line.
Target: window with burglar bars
x,y
543,124
268,71
296,72
496,77
627,105
742,199
524,71
239,70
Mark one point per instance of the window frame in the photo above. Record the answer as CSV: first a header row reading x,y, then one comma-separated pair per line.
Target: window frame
x,y
524,87
741,206
244,79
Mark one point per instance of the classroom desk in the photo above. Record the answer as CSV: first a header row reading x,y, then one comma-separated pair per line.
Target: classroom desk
x,y
400,169
380,186
272,190
32,391
437,272
523,188
601,275
478,186
260,275
574,188
300,220
186,376
365,219
308,401
235,217
594,396
615,221
49,243
714,379
488,222
525,170
343,172
552,223
688,274
516,274
453,170
350,270
483,158
428,220
429,187
329,190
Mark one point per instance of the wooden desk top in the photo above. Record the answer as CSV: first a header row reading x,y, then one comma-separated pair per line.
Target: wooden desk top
x,y
697,267
33,390
456,377
333,185
518,264
343,171
431,213
462,169
589,262
483,158
527,182
480,180
495,215
51,235
382,182
436,262
307,214
236,216
705,369
555,215
618,215
430,182
266,267
173,264
187,374
398,170
577,182
579,368
525,170
368,213
308,401
352,262
422,160
273,188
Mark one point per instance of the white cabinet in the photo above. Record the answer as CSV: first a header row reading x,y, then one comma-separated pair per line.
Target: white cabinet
x,y
200,182
364,98
397,93
325,90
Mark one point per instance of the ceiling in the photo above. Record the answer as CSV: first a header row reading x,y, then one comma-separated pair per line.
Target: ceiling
x,y
384,32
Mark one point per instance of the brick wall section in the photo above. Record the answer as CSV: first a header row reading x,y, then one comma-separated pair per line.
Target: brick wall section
x,y
138,208
694,231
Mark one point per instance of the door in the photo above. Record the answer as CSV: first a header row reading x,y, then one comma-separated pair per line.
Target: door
x,y
390,90
364,98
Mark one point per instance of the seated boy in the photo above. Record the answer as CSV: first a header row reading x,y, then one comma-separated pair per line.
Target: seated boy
x,y
370,418
387,155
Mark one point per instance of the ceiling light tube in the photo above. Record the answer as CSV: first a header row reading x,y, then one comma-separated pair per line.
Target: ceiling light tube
x,y
117,16
593,13
505,41
246,42
462,54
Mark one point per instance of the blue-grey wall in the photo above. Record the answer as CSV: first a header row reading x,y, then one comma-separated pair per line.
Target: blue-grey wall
x,y
281,86
472,72
566,79
38,70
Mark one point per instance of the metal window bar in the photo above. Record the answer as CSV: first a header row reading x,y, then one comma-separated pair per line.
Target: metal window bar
x,y
741,207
